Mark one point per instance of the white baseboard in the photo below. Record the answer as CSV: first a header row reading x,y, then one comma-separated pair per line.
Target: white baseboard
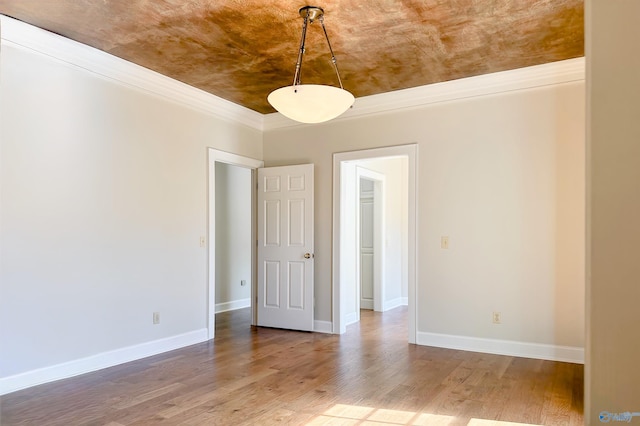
x,y
503,347
399,301
99,361
233,305
350,318
322,326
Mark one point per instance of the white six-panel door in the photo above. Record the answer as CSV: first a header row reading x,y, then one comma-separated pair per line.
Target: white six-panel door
x,y
285,247
367,252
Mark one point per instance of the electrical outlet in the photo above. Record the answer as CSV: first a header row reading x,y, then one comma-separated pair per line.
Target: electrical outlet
x,y
203,241
156,317
243,282
497,318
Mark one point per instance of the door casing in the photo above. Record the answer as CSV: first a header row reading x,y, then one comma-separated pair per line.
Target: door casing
x,y
341,160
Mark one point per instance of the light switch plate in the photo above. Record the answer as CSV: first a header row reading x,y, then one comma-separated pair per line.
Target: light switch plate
x,y
444,242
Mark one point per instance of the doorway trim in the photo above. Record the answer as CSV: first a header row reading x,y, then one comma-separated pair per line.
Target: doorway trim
x,y
339,286
213,156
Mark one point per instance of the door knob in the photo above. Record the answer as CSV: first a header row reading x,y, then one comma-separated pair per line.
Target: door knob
x,y
308,255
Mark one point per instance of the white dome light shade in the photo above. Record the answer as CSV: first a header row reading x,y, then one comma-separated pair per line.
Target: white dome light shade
x,y
311,103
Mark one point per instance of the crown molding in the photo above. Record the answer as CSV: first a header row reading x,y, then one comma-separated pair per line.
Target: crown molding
x,y
560,72
19,34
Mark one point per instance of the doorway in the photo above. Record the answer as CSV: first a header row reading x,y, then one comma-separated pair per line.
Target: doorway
x,y
224,165
233,237
399,234
370,233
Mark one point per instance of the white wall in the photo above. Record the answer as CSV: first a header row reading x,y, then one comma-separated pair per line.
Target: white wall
x,y
233,236
103,202
501,175
612,376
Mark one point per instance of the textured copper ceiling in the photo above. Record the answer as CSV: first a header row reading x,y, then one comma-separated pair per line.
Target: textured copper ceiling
x,y
241,50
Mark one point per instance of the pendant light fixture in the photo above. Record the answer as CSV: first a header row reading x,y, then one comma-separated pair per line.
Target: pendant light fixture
x,y
311,103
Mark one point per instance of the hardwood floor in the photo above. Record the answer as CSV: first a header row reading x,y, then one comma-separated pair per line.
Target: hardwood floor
x,y
252,376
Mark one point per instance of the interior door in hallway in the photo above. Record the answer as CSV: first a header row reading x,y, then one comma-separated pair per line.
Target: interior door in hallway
x,y
285,247
367,253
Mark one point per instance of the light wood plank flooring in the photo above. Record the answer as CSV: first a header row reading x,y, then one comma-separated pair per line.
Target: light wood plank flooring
x,y
255,376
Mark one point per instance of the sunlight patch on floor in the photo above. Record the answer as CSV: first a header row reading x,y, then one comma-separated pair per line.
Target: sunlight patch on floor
x,y
344,414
